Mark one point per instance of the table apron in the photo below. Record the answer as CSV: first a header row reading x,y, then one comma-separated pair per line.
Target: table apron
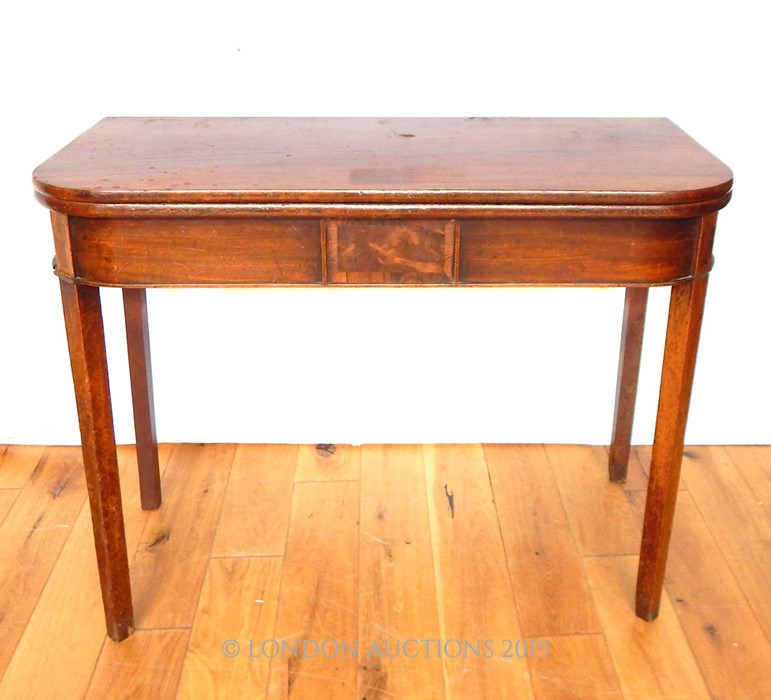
x,y
437,251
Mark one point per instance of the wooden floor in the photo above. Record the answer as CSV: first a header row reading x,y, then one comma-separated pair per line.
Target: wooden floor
x,y
388,572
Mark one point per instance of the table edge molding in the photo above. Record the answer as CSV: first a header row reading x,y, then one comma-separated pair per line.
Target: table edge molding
x,y
381,210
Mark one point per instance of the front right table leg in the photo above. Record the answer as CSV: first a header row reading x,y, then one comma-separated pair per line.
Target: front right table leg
x,y
686,307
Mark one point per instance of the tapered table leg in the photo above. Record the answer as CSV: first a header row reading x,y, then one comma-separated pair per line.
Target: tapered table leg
x,y
138,341
686,307
85,337
635,304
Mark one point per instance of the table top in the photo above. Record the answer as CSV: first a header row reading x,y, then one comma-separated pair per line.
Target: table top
x,y
520,161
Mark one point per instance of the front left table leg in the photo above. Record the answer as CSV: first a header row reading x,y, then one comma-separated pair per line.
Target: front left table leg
x,y
85,337
686,308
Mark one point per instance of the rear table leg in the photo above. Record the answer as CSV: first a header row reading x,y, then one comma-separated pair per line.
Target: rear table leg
x,y
635,303
138,342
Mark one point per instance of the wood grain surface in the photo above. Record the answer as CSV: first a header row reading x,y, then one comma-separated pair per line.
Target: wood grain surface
x,y
237,160
453,583
416,252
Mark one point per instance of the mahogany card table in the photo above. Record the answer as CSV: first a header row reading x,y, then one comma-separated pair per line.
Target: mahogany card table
x,y
187,202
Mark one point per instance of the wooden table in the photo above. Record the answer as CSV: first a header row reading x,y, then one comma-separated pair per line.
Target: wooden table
x,y
139,203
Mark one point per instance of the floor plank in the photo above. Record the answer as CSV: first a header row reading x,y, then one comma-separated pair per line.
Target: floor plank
x,y
258,499
599,514
728,643
737,521
754,465
170,562
543,559
639,469
68,616
146,665
66,632
576,666
651,660
328,463
232,638
393,557
397,593
475,597
318,593
17,462
7,499
32,536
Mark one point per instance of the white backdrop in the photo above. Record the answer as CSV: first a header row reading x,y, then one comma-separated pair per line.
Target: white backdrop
x,y
517,365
